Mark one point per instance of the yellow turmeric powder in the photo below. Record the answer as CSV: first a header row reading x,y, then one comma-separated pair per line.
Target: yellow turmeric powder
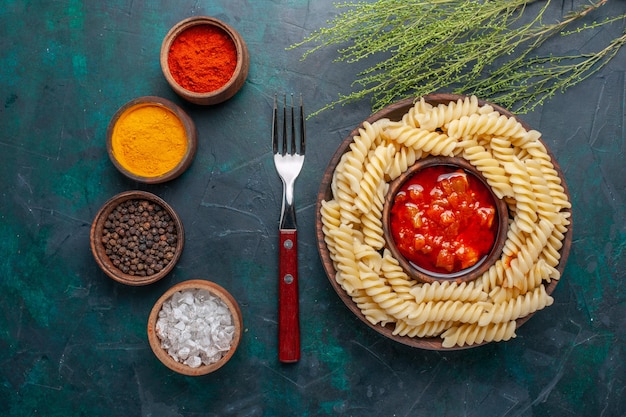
x,y
149,140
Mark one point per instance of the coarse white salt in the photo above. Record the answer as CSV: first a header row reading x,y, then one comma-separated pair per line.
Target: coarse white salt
x,y
195,327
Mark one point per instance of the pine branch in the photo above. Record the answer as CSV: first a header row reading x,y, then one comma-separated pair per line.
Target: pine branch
x,y
487,48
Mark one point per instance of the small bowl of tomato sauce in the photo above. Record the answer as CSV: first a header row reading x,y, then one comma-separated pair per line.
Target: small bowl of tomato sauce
x,y
443,222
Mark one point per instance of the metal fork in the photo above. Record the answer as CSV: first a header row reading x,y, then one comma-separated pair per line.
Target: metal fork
x,y
288,160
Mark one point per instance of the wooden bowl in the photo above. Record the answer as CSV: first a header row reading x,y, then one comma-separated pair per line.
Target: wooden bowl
x,y
465,275
155,341
110,266
119,147
227,90
395,112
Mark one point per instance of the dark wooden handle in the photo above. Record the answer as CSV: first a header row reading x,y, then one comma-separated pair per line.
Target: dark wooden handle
x,y
288,309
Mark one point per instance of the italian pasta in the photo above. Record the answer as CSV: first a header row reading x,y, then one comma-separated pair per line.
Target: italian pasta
x,y
428,329
517,167
469,334
443,114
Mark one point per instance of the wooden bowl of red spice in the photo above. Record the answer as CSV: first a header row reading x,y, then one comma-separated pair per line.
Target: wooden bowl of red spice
x,y
136,238
151,140
204,60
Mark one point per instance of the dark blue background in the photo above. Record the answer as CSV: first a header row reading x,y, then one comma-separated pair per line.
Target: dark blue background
x,y
73,342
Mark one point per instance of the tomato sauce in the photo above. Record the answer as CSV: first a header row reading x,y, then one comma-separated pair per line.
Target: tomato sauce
x,y
443,219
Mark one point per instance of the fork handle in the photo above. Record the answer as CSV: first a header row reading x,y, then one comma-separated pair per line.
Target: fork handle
x,y
288,309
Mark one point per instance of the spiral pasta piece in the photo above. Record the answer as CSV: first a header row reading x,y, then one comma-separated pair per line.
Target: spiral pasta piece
x,y
438,291
372,222
419,107
526,204
469,334
529,138
374,175
370,309
448,310
502,149
491,169
359,150
331,219
344,196
551,252
443,114
347,275
485,124
522,262
397,278
428,329
433,143
493,277
521,306
381,293
330,214
540,273
402,160
541,190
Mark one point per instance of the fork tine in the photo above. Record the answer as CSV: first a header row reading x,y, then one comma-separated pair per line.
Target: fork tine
x,y
293,128
284,150
274,126
302,128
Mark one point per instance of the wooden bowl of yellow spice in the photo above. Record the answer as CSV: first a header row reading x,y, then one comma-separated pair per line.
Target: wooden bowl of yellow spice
x,y
151,140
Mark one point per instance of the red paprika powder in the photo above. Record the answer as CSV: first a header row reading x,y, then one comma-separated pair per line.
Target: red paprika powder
x,y
202,58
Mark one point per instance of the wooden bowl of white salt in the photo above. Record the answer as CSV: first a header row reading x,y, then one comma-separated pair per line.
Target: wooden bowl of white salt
x,y
195,327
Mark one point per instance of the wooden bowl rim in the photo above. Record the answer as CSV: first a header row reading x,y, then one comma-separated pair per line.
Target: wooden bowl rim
x,y
190,133
98,250
155,342
394,112
469,274
236,81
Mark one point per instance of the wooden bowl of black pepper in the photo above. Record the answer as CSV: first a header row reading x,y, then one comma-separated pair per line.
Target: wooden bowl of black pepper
x,y
136,238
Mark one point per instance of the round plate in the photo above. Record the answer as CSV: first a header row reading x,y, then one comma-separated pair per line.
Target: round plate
x,y
395,112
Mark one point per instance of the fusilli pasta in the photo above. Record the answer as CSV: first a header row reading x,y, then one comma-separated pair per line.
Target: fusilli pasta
x,y
520,171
